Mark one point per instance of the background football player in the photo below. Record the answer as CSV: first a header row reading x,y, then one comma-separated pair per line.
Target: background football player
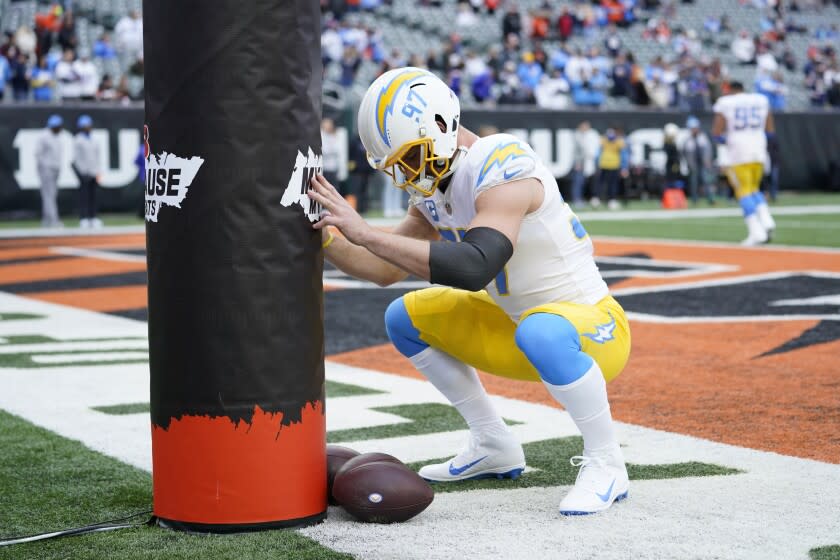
x,y
521,295
746,121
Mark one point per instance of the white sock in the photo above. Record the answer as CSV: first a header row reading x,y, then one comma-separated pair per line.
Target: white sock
x,y
586,402
754,228
460,384
764,216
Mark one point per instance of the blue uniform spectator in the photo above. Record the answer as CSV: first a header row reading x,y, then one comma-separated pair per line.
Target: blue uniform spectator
x,y
103,48
529,71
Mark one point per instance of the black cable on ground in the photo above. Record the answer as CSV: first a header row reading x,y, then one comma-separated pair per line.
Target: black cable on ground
x,y
111,525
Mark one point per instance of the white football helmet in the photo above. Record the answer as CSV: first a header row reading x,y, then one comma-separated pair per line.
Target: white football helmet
x,y
408,123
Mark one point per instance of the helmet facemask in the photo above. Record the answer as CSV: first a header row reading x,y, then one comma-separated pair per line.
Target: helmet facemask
x,y
414,167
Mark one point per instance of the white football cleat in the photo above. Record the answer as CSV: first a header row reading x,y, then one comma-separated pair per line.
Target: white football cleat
x,y
601,480
496,456
756,234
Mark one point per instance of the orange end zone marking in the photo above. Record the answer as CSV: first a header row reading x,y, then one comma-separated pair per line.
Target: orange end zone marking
x,y
98,299
73,267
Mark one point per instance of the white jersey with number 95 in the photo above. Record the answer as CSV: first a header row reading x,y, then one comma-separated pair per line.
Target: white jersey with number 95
x,y
552,261
746,120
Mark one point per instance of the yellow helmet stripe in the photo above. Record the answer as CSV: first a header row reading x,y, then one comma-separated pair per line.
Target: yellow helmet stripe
x,y
385,102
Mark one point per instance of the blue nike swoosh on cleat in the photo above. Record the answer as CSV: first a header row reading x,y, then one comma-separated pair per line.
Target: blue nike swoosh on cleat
x,y
455,471
513,173
606,495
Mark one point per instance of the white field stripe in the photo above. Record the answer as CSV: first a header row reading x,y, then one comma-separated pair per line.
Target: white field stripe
x,y
663,319
70,232
101,254
725,281
628,240
73,346
633,215
89,357
363,284
819,300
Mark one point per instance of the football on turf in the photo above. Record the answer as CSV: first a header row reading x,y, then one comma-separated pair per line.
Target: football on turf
x,y
361,459
381,491
337,455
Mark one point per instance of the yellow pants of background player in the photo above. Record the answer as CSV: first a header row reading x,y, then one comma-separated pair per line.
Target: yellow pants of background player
x,y
470,327
745,178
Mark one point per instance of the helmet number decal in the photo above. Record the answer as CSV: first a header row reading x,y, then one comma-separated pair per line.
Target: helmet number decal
x,y
411,106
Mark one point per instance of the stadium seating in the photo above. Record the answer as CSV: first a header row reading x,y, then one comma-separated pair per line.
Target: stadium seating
x,y
415,28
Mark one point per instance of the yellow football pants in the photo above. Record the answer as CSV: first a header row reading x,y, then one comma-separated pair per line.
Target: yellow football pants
x,y
745,178
470,327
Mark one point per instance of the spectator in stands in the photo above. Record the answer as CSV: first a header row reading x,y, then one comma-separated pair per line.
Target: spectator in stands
x,y
695,88
67,38
612,42
43,81
697,152
565,24
529,71
612,165
350,62
581,155
129,34
622,72
5,74
86,164
482,87
88,75
788,59
552,91
103,48
26,41
743,47
106,90
474,65
541,21
7,45
512,21
765,61
465,16
773,88
66,77
614,11
577,68
48,158
123,91
20,76
331,46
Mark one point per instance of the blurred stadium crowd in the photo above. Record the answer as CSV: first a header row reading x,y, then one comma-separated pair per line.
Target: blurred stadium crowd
x,y
612,54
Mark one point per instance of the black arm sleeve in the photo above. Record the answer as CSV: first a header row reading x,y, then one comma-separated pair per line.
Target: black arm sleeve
x,y
472,263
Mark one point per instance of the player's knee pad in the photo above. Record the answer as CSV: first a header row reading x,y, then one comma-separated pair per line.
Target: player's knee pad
x,y
748,205
552,345
401,331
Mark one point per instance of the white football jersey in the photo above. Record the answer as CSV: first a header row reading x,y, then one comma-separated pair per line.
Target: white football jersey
x,y
746,120
553,258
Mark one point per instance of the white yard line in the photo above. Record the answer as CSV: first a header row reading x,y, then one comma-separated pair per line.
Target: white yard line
x,y
102,254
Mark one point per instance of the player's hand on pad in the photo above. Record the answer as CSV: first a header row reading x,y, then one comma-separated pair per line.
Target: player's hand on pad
x,y
338,211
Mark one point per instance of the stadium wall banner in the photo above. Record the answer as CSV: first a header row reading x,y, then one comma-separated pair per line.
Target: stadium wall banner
x,y
808,143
